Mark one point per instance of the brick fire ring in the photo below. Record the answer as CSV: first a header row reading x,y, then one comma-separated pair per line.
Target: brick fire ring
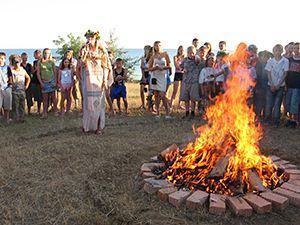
x,y
261,202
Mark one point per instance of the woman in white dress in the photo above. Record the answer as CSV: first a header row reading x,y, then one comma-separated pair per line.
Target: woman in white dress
x,y
96,77
159,64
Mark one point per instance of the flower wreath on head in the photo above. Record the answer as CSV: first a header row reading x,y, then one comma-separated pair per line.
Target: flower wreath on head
x,y
91,33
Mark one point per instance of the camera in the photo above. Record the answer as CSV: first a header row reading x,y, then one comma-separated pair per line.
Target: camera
x,y
154,81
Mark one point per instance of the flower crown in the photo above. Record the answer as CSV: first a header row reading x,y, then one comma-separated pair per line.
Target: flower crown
x,y
90,33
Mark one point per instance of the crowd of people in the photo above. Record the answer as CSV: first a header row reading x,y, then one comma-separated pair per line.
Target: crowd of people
x,y
95,79
201,74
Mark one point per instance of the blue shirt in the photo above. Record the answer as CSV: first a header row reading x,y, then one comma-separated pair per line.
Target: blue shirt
x,y
5,74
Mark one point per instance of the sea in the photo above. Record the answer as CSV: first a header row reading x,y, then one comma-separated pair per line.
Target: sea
x,y
135,53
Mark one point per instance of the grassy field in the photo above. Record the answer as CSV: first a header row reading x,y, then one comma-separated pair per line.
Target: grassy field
x,y
50,173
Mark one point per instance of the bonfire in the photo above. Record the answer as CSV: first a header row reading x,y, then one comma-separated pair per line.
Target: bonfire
x,y
225,157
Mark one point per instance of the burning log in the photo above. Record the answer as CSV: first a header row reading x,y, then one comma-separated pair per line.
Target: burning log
x,y
220,168
169,154
255,181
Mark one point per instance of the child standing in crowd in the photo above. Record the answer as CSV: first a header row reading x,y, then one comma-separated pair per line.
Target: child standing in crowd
x,y
118,90
76,89
178,74
20,83
145,75
289,48
5,87
159,64
207,45
28,68
277,68
190,88
65,82
46,73
195,43
35,84
222,72
293,86
222,47
261,84
206,79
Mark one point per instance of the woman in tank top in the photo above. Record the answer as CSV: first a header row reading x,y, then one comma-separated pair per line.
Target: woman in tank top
x,y
46,74
159,64
178,73
145,75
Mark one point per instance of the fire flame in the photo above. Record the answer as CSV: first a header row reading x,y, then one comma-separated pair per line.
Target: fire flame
x,y
229,140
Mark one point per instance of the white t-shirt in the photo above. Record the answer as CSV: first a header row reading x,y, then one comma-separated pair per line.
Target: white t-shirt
x,y
277,69
223,67
66,76
205,75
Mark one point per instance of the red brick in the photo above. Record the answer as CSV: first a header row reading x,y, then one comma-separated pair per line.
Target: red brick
x,y
275,158
289,166
278,201
217,204
150,189
197,199
239,206
293,197
295,182
147,175
259,204
151,185
163,194
294,176
291,187
148,167
293,171
179,197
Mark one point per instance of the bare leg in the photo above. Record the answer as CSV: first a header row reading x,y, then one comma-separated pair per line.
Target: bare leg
x,y
69,100
62,102
54,101
157,101
45,104
175,89
142,94
119,104
109,101
125,105
187,109
39,107
165,102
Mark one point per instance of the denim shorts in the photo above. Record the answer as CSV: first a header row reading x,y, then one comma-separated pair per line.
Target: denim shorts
x,y
49,86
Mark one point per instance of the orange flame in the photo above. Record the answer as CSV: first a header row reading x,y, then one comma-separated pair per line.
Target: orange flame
x,y
230,136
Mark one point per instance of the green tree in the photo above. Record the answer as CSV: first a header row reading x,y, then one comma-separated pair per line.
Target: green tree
x,y
70,42
129,62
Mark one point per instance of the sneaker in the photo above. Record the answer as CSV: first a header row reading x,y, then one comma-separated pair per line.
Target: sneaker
x,y
168,117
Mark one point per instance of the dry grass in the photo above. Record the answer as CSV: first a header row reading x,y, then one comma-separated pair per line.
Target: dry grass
x,y
52,174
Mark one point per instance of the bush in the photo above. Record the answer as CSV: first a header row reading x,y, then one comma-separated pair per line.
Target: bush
x,y
129,62
70,42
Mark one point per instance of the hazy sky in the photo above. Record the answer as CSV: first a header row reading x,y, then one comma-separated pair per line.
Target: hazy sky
x,y
35,23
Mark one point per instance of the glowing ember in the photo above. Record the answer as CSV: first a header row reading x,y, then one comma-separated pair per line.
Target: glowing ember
x,y
225,157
